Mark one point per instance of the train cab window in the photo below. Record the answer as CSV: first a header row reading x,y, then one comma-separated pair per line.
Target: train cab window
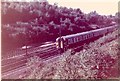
x,y
58,42
62,43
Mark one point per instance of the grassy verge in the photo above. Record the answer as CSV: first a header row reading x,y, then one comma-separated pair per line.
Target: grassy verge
x,y
96,60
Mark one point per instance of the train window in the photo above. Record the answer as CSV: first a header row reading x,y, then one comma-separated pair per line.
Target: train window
x,y
104,31
80,38
70,41
74,40
84,37
101,32
77,38
96,33
61,44
88,36
109,30
91,35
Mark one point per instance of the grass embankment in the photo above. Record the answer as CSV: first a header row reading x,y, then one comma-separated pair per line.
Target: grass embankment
x,y
94,61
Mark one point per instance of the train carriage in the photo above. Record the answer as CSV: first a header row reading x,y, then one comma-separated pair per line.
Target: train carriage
x,y
71,41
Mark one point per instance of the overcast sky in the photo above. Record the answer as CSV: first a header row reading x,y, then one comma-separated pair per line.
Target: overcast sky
x,y
103,7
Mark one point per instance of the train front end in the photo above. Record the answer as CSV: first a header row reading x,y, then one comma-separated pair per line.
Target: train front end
x,y
60,44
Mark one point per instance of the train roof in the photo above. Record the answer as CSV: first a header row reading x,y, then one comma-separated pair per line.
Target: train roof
x,y
77,34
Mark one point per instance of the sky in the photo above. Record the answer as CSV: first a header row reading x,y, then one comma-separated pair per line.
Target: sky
x,y
103,7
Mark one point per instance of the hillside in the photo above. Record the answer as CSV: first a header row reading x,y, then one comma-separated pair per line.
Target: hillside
x,y
99,59
25,23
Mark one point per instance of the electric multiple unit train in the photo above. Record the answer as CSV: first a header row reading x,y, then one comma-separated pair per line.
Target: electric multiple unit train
x,y
70,41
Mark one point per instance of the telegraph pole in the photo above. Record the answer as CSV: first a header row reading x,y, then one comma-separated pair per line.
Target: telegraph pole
x,y
26,43
60,31
60,27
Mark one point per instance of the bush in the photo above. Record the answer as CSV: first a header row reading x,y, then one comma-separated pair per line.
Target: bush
x,y
94,61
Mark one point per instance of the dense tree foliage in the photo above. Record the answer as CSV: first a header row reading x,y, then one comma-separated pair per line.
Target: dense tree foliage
x,y
34,22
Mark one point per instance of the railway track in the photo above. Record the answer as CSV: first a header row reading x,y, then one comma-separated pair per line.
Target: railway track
x,y
23,51
19,60
21,71
44,51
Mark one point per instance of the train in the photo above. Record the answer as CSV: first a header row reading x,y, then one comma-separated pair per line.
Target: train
x,y
70,41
